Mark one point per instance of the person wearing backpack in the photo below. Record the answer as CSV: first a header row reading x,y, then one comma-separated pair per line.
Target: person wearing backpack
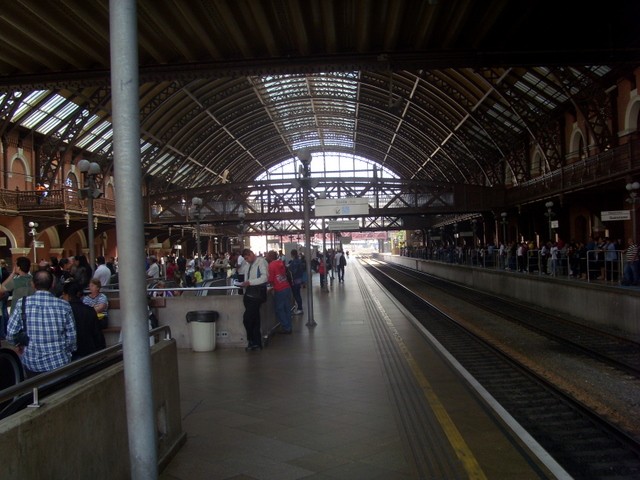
x,y
281,291
341,262
297,268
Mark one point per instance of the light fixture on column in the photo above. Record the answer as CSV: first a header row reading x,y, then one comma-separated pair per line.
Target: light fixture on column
x,y
90,170
633,188
67,219
549,214
196,202
474,228
33,232
241,228
504,227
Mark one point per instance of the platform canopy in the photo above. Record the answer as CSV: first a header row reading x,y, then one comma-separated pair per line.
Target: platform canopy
x,y
437,90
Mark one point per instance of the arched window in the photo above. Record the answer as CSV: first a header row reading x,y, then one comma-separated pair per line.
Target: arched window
x,y
330,164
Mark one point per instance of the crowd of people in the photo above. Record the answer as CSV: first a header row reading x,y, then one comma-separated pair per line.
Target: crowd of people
x,y
601,258
57,312
286,277
62,310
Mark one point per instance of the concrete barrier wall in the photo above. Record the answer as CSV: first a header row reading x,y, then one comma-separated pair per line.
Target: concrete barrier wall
x,y
81,431
229,327
172,311
613,307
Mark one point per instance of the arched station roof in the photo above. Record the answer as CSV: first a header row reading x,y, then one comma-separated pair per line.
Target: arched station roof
x,y
437,90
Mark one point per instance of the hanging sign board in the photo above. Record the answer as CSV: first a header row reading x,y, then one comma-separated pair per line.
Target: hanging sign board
x,y
341,207
613,215
343,226
38,244
155,246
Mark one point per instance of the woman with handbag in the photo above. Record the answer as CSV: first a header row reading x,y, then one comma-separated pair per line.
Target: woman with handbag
x,y
98,301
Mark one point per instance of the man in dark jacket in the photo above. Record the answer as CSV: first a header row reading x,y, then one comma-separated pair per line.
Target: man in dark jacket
x,y
89,336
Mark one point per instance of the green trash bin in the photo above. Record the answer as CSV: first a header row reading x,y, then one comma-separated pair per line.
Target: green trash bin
x,y
203,330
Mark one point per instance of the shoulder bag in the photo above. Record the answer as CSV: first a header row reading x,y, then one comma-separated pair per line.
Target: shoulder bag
x,y
21,339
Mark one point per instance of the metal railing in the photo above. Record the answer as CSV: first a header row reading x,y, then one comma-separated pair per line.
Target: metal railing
x,y
605,266
47,378
63,199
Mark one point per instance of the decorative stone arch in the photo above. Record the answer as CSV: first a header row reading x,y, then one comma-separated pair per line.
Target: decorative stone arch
x,y
109,189
74,180
28,175
631,114
54,237
577,148
10,236
71,190
81,237
538,164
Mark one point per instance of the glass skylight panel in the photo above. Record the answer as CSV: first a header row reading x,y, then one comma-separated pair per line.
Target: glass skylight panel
x,y
46,110
100,140
93,126
53,103
51,124
28,103
161,163
34,118
144,146
549,89
101,133
600,70
296,101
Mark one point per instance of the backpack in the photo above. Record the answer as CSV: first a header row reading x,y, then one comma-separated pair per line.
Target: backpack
x,y
289,274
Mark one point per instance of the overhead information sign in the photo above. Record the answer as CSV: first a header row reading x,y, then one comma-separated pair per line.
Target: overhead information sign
x,y
341,207
343,226
612,215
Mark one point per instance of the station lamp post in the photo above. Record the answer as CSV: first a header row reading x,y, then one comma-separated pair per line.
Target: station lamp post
x,y
549,214
504,227
474,228
633,188
196,202
241,228
33,231
89,191
307,183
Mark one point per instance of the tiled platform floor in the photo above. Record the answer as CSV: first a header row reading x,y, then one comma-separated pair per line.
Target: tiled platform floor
x,y
316,404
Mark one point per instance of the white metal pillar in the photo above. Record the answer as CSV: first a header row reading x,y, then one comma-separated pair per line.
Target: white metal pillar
x,y
130,230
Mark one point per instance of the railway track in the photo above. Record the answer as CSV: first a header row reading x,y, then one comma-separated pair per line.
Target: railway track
x,y
614,350
583,442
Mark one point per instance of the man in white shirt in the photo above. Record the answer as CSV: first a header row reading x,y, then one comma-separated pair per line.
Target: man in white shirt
x,y
154,270
102,273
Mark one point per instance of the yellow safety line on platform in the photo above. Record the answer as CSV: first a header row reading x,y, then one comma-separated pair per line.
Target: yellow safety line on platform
x,y
463,452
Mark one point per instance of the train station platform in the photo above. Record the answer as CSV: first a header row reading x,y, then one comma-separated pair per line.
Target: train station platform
x,y
364,394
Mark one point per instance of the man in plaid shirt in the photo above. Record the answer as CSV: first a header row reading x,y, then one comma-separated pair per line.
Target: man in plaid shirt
x,y
50,327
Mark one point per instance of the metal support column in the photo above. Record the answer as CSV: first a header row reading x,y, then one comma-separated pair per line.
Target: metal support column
x,y
305,158
130,229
